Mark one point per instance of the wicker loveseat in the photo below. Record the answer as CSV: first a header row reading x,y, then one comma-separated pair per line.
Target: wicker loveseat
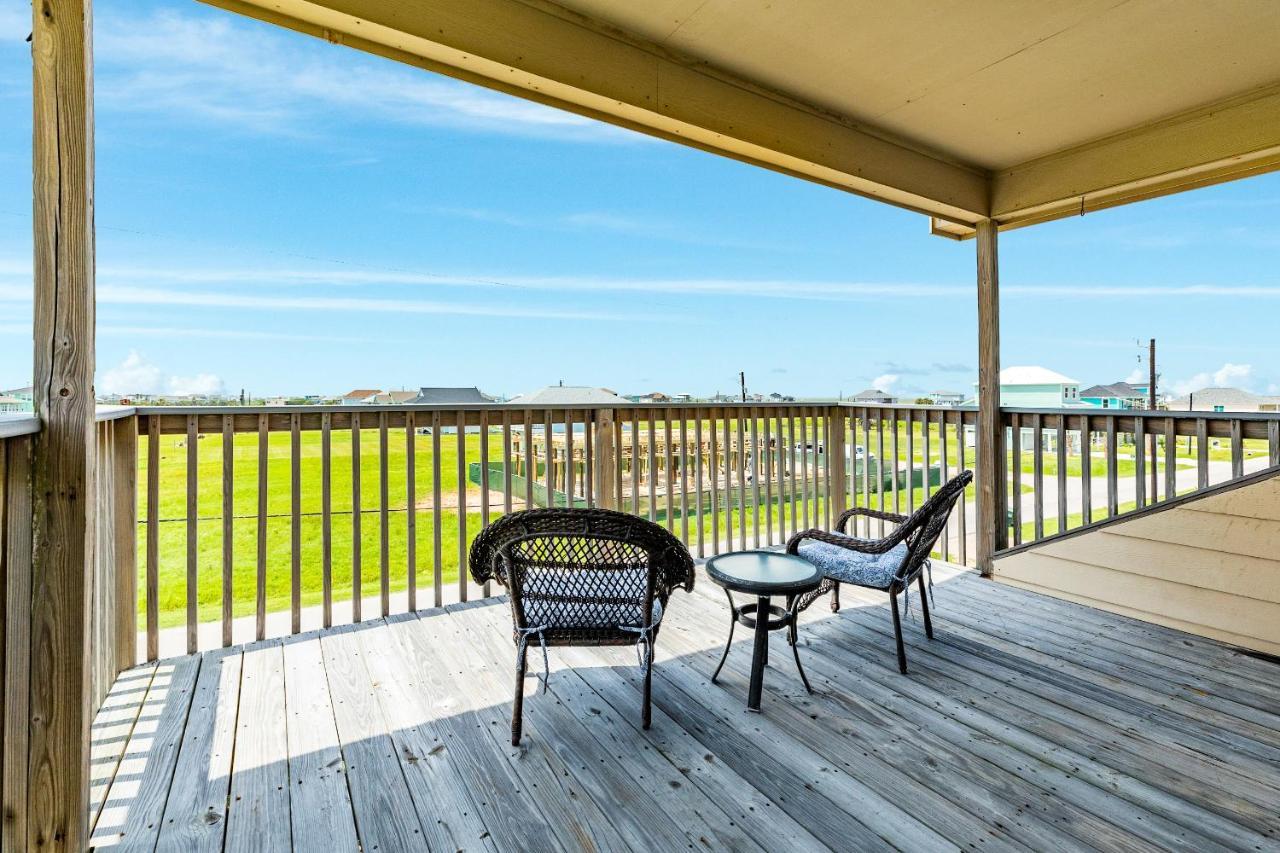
x,y
581,577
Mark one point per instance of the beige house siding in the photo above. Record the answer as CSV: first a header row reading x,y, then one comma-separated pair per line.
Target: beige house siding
x,y
1209,566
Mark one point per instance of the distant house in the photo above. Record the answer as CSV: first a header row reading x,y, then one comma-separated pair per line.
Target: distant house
x,y
873,396
568,395
448,397
394,398
1225,400
1117,395
18,400
1032,387
946,398
360,397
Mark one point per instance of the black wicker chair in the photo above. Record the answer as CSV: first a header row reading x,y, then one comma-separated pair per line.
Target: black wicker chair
x,y
891,564
581,577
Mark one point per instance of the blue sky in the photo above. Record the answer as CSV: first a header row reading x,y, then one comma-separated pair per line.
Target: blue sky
x,y
284,215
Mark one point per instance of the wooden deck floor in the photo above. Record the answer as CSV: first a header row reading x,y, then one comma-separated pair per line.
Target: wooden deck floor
x,y
1027,724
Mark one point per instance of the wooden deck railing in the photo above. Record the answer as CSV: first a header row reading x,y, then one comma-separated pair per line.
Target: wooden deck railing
x,y
330,512
264,521
1069,469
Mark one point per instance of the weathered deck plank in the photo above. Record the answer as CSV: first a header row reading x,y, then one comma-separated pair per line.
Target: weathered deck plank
x,y
1027,723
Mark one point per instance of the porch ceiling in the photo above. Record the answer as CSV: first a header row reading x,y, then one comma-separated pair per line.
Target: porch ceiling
x,y
1019,111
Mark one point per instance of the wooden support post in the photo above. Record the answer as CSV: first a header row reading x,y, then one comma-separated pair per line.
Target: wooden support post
x,y
64,460
604,465
992,529
836,459
125,531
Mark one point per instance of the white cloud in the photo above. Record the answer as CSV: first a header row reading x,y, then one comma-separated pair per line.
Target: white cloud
x,y
1228,376
201,383
1138,374
131,376
885,382
136,375
236,72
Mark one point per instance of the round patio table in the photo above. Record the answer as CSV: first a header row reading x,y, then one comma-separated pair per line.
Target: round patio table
x,y
763,574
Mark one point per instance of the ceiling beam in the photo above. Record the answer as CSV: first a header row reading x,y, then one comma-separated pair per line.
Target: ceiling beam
x,y
1228,140
545,53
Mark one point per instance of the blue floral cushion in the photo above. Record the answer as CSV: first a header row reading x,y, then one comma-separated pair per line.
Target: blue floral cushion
x,y
872,570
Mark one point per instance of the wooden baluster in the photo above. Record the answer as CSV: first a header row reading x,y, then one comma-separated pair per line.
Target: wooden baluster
x,y
911,459
1237,449
767,473
793,474
1037,475
714,462
326,517
507,462
462,505
437,544
153,537
1112,489
962,502
804,468
357,536
1139,461
228,524
384,518
1202,453
893,451
529,463
264,440
824,419
755,476
1015,503
570,480
1273,443
866,471
740,433
684,480
727,451
667,459
295,528
1171,457
880,468
780,473
942,448
927,441
588,456
651,463
617,461
411,507
697,477
1086,470
635,462
193,534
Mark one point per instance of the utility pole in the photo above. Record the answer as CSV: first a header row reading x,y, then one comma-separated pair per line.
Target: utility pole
x,y
742,381
1151,404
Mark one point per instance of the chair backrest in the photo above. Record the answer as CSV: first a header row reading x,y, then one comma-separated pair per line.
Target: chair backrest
x,y
577,558
922,529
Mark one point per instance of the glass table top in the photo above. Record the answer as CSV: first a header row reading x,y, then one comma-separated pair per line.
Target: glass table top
x,y
763,571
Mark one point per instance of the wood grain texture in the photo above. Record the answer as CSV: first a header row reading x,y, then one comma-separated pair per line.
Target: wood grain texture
x,y
195,811
15,641
989,474
124,533
64,456
1027,723
258,818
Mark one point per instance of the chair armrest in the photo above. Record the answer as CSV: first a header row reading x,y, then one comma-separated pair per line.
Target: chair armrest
x,y
865,546
869,513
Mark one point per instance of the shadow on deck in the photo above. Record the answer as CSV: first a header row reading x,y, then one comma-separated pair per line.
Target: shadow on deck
x,y
1028,723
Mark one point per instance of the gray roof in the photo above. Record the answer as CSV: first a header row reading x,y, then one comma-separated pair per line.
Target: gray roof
x,y
1119,390
1230,399
449,396
568,395
873,394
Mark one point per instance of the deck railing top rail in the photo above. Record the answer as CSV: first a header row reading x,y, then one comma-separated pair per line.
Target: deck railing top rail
x,y
12,426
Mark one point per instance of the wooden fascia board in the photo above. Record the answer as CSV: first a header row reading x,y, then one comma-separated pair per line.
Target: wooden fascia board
x,y
545,53
1228,140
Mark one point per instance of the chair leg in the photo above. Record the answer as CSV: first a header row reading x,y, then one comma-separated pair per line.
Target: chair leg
x,y
517,709
897,633
646,714
835,597
924,608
